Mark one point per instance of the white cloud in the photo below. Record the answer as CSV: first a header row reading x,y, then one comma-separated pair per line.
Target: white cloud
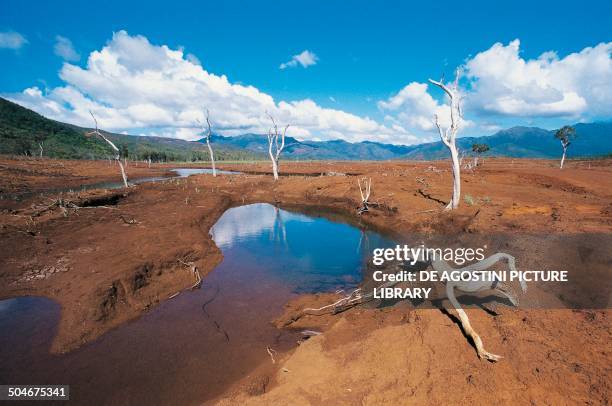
x,y
134,85
63,48
305,58
498,82
12,40
414,108
193,59
502,82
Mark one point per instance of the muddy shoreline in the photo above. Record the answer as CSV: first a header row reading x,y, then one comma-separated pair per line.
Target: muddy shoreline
x,y
117,261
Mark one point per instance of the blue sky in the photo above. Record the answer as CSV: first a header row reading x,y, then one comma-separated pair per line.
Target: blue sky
x,y
366,53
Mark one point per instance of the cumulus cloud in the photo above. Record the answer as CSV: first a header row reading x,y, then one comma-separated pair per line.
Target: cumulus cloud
x,y
305,59
502,82
12,40
499,83
193,59
134,85
414,108
63,48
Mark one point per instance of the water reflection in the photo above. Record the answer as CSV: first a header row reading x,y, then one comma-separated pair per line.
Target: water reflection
x,y
180,173
308,253
191,348
184,172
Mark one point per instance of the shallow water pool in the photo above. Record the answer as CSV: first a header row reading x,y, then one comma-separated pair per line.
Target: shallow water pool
x,y
191,348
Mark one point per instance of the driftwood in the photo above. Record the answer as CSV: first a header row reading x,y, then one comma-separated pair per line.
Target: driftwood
x,y
358,297
65,205
194,270
271,351
430,197
478,286
365,193
128,221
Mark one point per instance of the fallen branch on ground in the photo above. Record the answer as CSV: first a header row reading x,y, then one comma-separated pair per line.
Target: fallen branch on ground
x,y
194,270
440,267
430,197
128,221
271,352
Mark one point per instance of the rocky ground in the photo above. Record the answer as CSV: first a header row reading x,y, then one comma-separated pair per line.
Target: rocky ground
x,y
107,256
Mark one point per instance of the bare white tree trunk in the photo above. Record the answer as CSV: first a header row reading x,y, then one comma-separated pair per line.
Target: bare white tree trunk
x,y
113,146
274,149
123,175
208,135
564,153
274,166
448,136
212,156
454,203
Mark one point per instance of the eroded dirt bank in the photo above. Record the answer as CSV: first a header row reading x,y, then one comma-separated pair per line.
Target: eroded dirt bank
x,y
108,256
405,356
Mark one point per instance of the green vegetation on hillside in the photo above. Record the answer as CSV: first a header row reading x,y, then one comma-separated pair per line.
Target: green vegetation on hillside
x,y
22,131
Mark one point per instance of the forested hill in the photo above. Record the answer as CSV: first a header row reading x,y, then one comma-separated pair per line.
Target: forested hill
x,y
22,130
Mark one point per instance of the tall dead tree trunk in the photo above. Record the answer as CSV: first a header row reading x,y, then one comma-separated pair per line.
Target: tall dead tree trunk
x,y
113,146
448,136
207,136
274,149
40,145
565,134
564,145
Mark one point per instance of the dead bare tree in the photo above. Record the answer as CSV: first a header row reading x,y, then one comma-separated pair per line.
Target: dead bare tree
x,y
274,149
40,146
207,135
113,146
448,136
565,134
365,193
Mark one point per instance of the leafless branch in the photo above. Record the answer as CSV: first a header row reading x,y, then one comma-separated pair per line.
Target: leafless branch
x,y
113,146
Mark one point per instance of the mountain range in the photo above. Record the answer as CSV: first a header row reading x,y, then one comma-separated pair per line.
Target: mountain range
x,y
22,130
594,139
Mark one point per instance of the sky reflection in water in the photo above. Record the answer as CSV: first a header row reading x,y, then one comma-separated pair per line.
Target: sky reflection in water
x,y
308,253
